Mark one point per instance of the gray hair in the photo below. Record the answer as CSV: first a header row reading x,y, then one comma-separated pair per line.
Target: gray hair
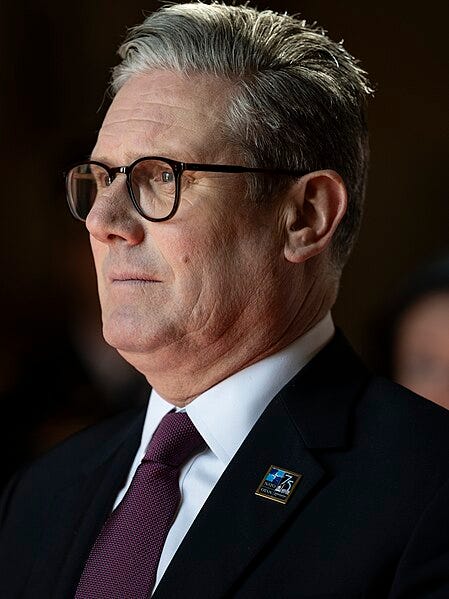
x,y
298,99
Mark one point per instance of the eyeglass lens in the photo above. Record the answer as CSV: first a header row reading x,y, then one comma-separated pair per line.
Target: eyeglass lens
x,y
153,184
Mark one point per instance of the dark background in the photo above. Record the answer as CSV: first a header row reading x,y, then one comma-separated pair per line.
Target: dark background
x,y
55,59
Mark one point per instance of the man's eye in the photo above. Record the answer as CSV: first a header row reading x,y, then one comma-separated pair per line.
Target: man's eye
x,y
105,180
167,177
102,179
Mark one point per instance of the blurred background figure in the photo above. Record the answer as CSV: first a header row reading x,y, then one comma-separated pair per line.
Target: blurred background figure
x,y
415,333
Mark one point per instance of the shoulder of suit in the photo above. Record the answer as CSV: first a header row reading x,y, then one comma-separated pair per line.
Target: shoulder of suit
x,y
386,396
406,425
83,444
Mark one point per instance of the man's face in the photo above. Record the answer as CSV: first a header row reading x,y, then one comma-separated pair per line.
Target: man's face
x,y
204,277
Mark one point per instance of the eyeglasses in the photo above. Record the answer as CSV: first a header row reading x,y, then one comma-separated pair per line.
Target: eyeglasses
x,y
154,183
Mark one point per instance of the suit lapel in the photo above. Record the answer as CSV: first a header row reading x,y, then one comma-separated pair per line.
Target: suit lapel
x,y
84,502
235,525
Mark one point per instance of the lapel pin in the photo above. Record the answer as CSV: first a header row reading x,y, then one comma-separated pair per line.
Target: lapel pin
x,y
278,484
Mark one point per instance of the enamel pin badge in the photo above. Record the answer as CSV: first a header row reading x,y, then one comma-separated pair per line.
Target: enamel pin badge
x,y
278,484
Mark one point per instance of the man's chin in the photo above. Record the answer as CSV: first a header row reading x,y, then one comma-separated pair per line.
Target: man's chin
x,y
127,343
133,339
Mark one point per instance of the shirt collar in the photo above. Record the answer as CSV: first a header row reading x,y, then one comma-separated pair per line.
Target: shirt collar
x,y
225,413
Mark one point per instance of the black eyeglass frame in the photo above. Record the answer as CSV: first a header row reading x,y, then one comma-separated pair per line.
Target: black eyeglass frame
x,y
178,168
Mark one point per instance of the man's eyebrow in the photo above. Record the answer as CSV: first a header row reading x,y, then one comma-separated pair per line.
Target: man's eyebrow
x,y
129,158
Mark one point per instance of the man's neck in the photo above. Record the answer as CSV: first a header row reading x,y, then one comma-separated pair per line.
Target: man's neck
x,y
181,374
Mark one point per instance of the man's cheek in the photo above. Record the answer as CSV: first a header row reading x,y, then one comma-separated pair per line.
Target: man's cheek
x,y
189,253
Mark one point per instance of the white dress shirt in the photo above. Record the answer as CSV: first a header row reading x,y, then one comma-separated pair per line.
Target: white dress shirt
x,y
224,415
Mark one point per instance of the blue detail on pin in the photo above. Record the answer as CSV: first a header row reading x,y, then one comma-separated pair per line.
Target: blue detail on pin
x,y
278,484
275,476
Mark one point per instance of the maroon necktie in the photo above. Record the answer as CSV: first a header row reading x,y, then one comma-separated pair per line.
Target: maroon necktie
x,y
124,559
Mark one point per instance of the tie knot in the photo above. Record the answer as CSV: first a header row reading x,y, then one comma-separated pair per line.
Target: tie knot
x,y
175,440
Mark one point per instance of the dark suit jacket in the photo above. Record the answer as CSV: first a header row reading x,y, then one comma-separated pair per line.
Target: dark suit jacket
x,y
369,518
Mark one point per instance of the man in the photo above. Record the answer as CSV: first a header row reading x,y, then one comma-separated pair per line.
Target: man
x,y
222,199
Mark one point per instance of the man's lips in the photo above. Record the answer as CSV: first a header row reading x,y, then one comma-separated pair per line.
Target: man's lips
x,y
132,277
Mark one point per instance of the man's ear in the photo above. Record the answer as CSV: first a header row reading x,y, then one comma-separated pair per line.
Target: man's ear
x,y
313,208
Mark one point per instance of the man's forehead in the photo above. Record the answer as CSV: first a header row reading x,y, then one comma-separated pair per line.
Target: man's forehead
x,y
168,97
160,105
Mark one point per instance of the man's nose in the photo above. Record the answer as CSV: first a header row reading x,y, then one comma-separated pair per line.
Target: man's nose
x,y
113,216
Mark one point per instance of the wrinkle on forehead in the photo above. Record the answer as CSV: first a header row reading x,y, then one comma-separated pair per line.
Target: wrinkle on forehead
x,y
118,114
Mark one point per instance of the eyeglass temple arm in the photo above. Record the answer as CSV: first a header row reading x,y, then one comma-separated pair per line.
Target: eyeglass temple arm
x,y
231,168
